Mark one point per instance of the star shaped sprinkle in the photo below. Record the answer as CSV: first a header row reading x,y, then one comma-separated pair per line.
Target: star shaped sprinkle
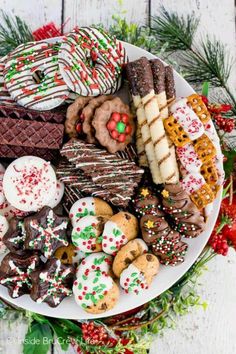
x,y
165,193
149,224
144,192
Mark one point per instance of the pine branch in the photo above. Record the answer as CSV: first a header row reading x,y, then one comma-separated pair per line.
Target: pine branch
x,y
13,32
207,61
177,31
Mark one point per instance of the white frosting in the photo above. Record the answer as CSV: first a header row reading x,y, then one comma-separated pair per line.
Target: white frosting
x,y
91,289
83,207
192,182
29,183
3,229
112,238
84,234
189,158
60,188
178,104
189,121
132,280
95,261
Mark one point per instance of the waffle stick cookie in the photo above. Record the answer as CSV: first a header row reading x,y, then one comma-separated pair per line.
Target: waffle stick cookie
x,y
159,79
142,156
169,85
144,140
145,87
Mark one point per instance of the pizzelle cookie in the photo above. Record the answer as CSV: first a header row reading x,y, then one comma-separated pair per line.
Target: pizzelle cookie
x,y
139,274
118,230
96,292
89,206
127,254
86,233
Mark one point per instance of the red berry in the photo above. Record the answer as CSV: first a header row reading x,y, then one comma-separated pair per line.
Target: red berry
x,y
128,129
124,118
78,127
114,134
111,125
115,116
121,138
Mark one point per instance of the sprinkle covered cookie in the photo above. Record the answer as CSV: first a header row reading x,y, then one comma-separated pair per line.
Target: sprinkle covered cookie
x,y
95,292
46,232
52,283
89,206
118,230
96,262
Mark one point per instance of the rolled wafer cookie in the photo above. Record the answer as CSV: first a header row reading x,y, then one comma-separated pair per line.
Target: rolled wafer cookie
x,y
159,79
142,157
142,123
145,88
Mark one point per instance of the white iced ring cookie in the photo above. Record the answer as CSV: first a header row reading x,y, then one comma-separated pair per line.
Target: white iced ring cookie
x,y
90,61
32,76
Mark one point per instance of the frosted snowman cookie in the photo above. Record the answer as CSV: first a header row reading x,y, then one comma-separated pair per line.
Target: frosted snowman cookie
x,y
118,230
86,233
29,183
139,274
127,254
3,229
96,262
96,292
89,206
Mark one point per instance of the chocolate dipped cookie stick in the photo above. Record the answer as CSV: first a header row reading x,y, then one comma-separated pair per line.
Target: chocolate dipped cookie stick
x,y
145,87
144,140
185,215
159,79
169,85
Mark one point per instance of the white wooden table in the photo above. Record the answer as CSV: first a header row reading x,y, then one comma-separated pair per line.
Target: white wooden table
x,y
209,332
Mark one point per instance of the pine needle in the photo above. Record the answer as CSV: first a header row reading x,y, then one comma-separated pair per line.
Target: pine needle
x,y
211,62
175,30
13,32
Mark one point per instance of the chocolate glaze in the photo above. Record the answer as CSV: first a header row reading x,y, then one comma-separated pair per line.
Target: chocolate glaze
x,y
158,72
169,83
141,76
15,236
184,214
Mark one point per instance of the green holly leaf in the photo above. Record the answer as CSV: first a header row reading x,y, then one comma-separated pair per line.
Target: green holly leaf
x,y
205,88
229,163
62,336
38,339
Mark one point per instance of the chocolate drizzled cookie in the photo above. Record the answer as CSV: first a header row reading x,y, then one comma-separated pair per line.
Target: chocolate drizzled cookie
x,y
15,271
15,236
117,176
52,282
185,216
45,232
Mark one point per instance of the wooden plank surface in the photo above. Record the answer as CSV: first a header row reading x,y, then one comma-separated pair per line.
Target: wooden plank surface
x,y
88,12
35,12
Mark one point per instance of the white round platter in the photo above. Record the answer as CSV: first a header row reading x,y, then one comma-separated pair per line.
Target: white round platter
x,y
167,276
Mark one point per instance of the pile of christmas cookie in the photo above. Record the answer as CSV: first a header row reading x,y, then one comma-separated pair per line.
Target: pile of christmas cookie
x,y
135,171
